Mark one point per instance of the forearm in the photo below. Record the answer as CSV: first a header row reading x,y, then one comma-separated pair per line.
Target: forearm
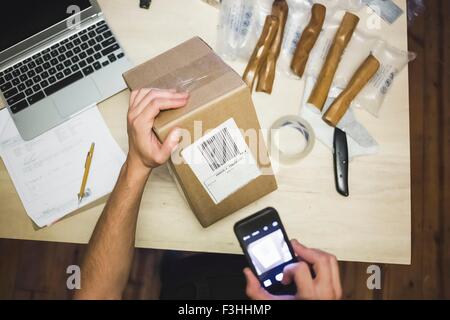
x,y
107,263
106,266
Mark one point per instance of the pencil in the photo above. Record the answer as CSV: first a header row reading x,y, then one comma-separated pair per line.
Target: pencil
x,y
87,166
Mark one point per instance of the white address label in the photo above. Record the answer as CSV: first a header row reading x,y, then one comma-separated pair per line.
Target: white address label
x,y
222,161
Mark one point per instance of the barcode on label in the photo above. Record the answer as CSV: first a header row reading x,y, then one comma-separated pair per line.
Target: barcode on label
x,y
219,149
222,161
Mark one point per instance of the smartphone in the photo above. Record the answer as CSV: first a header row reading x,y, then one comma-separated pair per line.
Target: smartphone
x,y
268,250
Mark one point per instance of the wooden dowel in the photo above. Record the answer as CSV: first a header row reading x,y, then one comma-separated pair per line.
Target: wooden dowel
x,y
343,35
308,39
359,80
266,75
261,50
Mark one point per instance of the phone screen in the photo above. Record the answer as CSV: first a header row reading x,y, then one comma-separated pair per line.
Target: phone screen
x,y
264,241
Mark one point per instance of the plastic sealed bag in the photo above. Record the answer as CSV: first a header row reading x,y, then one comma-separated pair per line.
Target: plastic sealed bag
x,y
360,141
240,24
362,44
359,48
392,61
298,18
348,5
320,51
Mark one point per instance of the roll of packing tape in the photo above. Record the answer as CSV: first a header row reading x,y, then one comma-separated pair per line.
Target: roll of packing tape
x,y
291,139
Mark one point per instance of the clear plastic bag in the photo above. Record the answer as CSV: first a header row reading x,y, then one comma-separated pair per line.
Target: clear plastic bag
x,y
298,18
240,24
392,61
359,48
320,51
348,5
360,141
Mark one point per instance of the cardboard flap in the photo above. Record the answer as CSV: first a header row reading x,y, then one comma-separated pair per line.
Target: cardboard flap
x,y
191,66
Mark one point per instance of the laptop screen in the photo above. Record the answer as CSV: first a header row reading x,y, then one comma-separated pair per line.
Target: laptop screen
x,y
22,19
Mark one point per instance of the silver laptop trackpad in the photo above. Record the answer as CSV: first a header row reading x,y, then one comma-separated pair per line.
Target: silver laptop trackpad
x,y
76,97
37,119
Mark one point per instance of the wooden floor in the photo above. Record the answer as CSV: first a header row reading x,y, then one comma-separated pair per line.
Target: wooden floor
x,y
37,270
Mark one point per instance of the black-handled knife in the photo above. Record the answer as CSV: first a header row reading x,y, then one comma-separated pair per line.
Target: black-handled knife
x,y
340,156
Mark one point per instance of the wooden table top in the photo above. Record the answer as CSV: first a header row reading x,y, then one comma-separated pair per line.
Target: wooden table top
x,y
372,225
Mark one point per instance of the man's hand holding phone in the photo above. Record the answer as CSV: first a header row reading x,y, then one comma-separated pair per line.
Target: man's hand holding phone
x,y
326,285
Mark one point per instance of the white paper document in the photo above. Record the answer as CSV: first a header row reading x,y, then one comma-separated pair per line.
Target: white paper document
x,y
47,171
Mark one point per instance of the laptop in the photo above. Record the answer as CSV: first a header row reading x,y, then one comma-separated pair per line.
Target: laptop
x,y
57,58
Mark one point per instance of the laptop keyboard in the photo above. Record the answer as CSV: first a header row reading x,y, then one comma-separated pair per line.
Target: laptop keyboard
x,y
54,68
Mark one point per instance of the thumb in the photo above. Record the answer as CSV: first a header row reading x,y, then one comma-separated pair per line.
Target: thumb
x,y
170,144
289,273
254,290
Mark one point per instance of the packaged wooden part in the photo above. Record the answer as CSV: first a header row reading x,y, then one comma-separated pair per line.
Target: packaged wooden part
x,y
342,38
308,39
359,80
261,50
266,75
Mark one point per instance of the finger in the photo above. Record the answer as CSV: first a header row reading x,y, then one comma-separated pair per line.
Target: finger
x,y
336,278
289,273
307,254
255,292
168,146
139,96
318,259
304,281
143,92
321,263
159,94
152,110
133,95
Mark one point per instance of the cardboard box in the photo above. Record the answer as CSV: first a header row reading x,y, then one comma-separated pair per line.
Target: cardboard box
x,y
216,179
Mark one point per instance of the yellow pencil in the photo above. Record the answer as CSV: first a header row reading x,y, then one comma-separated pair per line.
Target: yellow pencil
x,y
87,166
